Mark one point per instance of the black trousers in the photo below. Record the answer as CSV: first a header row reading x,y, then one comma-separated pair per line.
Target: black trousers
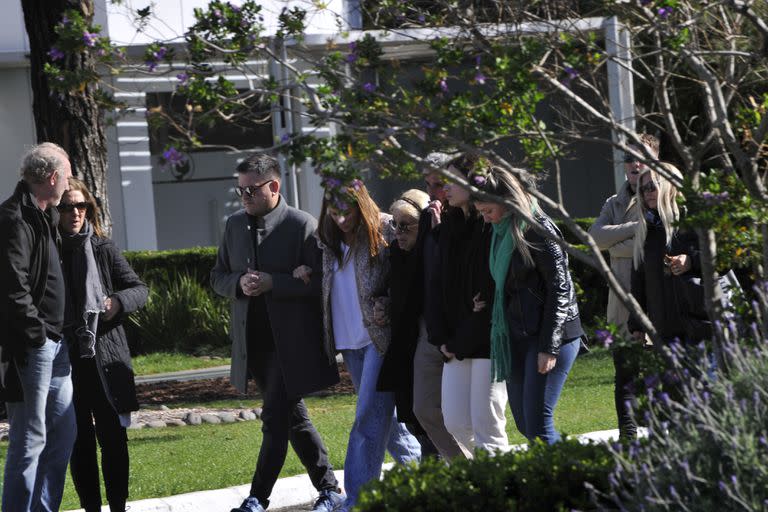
x,y
285,420
624,392
97,420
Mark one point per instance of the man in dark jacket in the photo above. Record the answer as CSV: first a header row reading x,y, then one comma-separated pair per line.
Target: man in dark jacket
x,y
276,327
35,378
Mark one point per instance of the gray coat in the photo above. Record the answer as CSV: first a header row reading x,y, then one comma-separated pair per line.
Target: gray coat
x,y
285,242
614,231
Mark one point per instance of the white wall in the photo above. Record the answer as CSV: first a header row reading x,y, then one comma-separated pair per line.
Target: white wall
x,y
172,18
17,127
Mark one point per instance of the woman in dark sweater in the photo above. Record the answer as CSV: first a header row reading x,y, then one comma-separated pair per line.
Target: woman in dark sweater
x,y
102,290
473,404
536,331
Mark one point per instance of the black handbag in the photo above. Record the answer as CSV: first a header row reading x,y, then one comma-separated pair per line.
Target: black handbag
x,y
689,296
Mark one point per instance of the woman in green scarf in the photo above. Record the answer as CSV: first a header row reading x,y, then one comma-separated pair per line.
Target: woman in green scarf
x,y
535,327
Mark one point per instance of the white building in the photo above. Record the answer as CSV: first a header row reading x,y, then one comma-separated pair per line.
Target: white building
x,y
150,208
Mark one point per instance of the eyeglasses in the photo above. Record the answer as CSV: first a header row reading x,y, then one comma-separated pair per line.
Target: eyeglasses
x,y
402,227
250,190
648,188
70,207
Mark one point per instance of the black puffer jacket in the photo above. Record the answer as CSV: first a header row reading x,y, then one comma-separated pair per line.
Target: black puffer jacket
x,y
113,358
654,290
541,300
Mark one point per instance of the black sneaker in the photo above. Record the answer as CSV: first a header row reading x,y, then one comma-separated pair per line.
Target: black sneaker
x,y
250,504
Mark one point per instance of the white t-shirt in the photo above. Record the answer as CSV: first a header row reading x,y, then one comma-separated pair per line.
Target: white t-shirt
x,y
349,333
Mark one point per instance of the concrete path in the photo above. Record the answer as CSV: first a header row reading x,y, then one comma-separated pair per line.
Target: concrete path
x,y
290,494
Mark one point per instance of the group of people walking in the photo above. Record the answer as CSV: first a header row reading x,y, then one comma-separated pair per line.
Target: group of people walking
x,y
445,309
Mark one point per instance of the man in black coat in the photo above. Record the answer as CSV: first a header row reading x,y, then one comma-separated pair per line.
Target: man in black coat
x,y
276,326
35,374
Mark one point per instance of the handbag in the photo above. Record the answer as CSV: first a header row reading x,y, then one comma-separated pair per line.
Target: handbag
x,y
689,296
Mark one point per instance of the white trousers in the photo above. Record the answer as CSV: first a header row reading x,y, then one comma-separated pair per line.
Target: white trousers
x,y
474,405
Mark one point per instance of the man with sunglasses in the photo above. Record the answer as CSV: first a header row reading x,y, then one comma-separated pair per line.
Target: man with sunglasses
x,y
276,327
614,231
35,374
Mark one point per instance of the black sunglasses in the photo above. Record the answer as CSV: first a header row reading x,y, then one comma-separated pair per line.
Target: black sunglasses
x,y
70,207
630,159
402,227
647,188
250,190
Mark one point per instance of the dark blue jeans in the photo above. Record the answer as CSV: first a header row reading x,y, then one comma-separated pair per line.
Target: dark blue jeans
x,y
533,396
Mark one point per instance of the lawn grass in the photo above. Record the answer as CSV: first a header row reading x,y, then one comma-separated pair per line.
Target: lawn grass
x,y
163,362
177,460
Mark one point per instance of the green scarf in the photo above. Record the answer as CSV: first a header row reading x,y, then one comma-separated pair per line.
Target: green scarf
x,y
502,246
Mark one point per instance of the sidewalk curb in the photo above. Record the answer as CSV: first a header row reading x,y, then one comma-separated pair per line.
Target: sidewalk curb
x,y
288,492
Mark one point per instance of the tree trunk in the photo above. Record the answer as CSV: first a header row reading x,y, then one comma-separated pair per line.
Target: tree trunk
x,y
73,119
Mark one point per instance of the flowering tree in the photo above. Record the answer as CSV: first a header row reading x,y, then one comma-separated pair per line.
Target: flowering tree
x,y
64,50
484,69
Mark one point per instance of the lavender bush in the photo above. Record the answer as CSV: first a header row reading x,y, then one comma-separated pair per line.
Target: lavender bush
x,y
709,450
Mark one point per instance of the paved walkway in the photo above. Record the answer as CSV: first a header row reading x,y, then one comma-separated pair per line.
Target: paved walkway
x,y
290,494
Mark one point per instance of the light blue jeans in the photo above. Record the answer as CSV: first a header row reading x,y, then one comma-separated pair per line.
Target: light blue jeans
x,y
375,428
42,431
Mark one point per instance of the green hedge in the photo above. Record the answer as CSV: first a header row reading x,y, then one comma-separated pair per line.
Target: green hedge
x,y
542,478
159,267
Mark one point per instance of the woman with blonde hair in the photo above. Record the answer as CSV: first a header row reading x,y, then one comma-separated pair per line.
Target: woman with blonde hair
x,y
102,289
354,236
663,255
536,330
406,304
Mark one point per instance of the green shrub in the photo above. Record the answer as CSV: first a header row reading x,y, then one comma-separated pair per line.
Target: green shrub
x,y
542,478
157,268
181,316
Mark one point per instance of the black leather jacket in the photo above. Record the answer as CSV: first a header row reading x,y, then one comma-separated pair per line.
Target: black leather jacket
x,y
541,300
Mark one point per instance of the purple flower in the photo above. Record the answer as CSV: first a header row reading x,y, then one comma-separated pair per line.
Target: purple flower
x,y
722,486
174,157
571,72
351,58
64,20
429,125
285,138
422,18
665,398
664,12
478,59
160,53
734,481
369,87
183,78
235,8
55,54
480,78
604,337
332,182
90,39
651,381
443,85
479,180
217,13
644,2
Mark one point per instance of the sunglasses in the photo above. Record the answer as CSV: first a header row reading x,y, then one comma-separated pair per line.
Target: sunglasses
x,y
250,190
70,207
648,188
630,159
402,227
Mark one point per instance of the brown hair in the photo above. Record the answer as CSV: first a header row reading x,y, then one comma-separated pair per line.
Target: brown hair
x,y
369,222
93,212
651,142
